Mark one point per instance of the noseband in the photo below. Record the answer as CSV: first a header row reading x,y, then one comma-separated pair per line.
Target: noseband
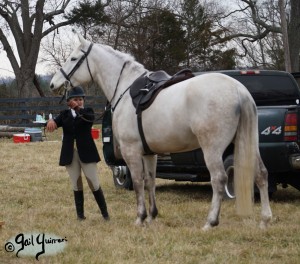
x,y
77,65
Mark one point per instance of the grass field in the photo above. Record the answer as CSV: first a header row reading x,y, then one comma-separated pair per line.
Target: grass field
x,y
36,197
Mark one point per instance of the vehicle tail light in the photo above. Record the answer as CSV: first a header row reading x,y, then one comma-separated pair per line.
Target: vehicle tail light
x,y
249,72
290,127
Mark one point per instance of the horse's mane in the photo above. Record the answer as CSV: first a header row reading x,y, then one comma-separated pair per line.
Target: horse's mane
x,y
123,56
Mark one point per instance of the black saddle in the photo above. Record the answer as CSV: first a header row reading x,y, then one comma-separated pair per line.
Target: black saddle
x,y
159,76
144,89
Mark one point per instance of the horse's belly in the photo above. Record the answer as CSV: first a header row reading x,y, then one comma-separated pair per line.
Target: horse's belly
x,y
172,143
169,133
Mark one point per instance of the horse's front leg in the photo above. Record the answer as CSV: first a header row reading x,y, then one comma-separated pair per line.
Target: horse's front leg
x,y
150,175
134,162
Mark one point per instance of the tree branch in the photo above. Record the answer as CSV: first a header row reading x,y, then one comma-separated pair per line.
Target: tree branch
x,y
258,21
9,52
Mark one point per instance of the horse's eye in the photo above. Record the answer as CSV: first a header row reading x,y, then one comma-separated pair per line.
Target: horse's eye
x,y
73,59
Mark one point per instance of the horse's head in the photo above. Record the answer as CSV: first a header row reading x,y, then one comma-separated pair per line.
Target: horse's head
x,y
75,70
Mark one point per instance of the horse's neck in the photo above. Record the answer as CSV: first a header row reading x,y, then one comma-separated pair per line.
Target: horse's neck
x,y
131,71
116,74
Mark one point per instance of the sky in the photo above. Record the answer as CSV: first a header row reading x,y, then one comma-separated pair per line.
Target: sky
x,y
6,69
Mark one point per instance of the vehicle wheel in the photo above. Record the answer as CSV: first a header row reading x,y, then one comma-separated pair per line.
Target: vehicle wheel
x,y
122,177
229,186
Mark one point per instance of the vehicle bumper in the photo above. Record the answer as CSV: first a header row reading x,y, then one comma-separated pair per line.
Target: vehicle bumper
x,y
280,157
295,161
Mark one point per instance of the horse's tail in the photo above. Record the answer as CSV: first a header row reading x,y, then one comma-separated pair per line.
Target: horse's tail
x,y
245,151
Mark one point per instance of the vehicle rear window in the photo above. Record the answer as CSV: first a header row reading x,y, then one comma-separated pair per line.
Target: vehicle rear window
x,y
296,75
270,89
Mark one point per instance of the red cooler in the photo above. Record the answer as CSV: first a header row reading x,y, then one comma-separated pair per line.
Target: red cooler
x,y
21,138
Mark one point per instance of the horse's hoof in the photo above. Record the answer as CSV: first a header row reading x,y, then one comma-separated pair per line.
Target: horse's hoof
x,y
206,227
139,222
264,225
149,219
265,221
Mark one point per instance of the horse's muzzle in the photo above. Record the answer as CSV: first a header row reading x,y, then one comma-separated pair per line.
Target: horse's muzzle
x,y
57,91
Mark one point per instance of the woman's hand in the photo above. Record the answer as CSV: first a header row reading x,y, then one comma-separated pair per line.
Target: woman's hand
x,y
51,125
73,104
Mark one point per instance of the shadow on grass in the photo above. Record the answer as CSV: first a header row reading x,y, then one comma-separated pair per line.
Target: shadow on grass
x,y
191,190
283,195
204,191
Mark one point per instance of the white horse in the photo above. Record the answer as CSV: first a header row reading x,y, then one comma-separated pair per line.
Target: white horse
x,y
208,111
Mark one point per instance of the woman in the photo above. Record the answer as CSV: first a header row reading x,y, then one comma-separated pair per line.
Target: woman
x,y
78,150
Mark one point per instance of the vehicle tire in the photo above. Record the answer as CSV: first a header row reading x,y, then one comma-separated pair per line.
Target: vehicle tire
x,y
122,177
229,186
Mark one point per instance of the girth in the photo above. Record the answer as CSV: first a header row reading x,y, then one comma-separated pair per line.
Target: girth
x,y
144,90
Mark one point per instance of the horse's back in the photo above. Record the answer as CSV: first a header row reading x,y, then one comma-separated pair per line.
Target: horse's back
x,y
214,85
203,94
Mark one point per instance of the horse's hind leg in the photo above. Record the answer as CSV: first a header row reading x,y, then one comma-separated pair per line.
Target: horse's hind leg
x,y
261,180
150,175
218,177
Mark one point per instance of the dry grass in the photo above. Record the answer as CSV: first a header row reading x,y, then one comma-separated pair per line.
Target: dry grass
x,y
36,196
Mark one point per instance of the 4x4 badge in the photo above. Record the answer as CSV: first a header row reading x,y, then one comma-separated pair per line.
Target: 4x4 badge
x,y
272,130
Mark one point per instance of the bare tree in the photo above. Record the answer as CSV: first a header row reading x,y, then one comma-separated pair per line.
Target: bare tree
x,y
56,49
121,13
269,23
28,22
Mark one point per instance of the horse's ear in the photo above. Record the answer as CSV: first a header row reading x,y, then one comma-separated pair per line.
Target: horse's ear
x,y
81,39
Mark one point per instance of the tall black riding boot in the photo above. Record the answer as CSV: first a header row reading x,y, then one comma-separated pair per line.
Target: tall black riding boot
x,y
99,197
79,202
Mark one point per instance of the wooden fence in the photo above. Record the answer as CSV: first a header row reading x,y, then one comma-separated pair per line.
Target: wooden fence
x,y
21,112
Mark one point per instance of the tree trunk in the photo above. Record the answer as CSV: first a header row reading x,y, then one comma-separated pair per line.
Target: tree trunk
x,y
23,89
27,84
11,129
287,58
37,85
294,35
8,134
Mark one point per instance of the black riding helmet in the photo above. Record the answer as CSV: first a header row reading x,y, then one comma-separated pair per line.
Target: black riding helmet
x,y
76,91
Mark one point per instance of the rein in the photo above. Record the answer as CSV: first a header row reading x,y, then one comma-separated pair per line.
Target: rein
x,y
63,97
90,121
109,103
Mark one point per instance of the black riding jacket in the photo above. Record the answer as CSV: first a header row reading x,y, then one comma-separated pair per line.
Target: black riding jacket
x,y
77,133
